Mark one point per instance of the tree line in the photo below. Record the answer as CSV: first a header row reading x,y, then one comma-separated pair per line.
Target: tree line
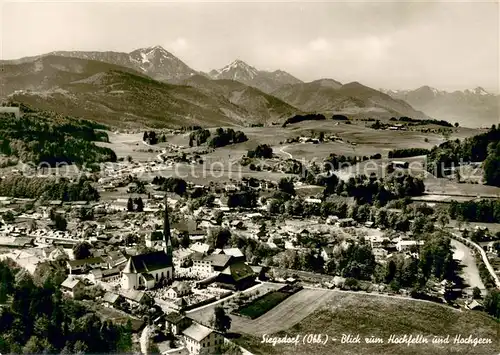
x,y
151,138
48,188
407,152
223,137
423,121
487,211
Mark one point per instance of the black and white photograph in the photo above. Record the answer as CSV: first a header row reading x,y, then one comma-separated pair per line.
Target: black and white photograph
x,y
249,177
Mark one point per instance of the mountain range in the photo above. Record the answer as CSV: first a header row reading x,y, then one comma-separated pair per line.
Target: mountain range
x,y
152,87
120,96
470,107
328,95
264,80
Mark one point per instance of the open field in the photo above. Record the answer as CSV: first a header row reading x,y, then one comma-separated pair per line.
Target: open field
x,y
286,314
264,304
338,313
204,314
367,140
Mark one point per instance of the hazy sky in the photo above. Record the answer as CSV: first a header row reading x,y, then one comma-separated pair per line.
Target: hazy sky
x,y
381,44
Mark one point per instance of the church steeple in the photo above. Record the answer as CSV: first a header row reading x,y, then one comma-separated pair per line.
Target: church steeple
x,y
167,239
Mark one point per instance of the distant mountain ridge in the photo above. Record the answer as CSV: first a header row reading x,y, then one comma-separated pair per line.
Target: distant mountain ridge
x,y
331,96
264,80
470,107
155,62
244,94
123,97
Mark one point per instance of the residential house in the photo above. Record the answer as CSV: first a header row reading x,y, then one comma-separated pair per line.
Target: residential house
x,y
105,275
346,222
235,253
135,297
202,248
83,265
327,252
112,298
474,305
177,322
115,258
178,289
201,340
406,245
73,287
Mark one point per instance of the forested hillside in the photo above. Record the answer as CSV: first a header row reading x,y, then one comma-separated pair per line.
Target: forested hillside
x,y
50,138
38,320
483,147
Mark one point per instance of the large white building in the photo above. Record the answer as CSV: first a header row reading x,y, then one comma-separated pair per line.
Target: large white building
x,y
201,340
148,270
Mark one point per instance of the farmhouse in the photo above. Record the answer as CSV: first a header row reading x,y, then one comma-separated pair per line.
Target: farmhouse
x,y
237,276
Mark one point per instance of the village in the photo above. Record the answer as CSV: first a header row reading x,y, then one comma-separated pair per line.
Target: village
x,y
155,264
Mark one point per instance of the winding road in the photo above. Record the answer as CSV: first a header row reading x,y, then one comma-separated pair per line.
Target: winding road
x,y
282,150
490,268
470,272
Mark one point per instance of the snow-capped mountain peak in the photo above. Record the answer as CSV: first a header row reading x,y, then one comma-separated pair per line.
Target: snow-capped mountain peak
x,y
479,91
237,70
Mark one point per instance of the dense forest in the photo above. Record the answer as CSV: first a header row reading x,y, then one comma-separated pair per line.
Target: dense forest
x,y
44,136
487,211
422,122
407,152
48,188
307,117
38,320
479,148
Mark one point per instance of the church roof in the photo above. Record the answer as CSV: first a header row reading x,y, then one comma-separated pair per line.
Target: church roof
x,y
144,263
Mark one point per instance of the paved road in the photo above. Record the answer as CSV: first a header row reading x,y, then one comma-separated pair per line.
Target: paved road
x,y
470,272
490,268
144,340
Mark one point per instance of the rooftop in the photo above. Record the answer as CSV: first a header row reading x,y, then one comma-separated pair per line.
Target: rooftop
x,y
197,332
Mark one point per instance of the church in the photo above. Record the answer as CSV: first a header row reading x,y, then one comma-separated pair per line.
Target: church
x,y
148,270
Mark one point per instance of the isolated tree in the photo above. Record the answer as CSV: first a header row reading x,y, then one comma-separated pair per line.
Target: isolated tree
x,y
60,222
476,293
220,320
286,185
492,303
82,251
229,348
185,240
457,124
139,205
8,217
86,214
130,205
